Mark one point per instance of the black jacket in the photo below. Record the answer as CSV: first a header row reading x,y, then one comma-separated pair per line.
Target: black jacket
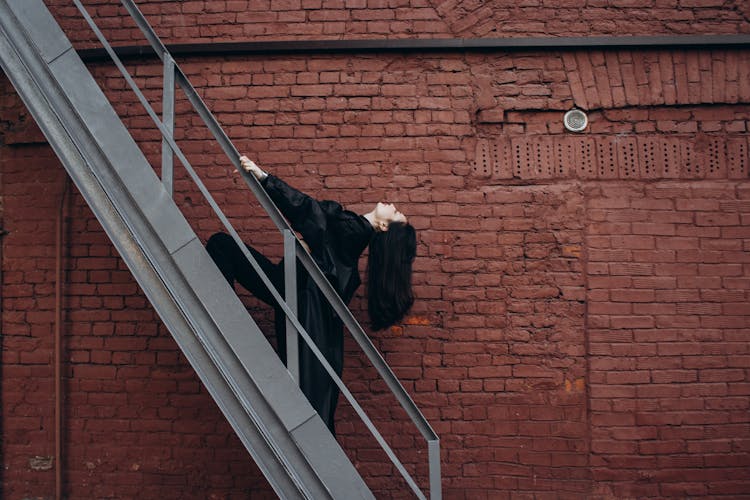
x,y
336,238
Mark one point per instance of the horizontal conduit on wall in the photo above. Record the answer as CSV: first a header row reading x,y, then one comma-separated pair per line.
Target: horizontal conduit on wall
x,y
422,45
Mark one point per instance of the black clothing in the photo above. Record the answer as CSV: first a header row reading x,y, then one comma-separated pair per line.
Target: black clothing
x,y
336,238
234,266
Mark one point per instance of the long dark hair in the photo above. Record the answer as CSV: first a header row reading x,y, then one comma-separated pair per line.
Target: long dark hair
x,y
389,264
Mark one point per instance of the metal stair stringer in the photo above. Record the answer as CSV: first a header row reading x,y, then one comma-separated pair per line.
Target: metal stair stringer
x,y
269,413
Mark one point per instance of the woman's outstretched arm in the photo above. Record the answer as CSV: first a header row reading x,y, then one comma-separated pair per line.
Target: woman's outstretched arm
x,y
307,215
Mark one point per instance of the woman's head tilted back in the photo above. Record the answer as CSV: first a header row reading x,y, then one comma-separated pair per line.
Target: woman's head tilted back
x,y
389,290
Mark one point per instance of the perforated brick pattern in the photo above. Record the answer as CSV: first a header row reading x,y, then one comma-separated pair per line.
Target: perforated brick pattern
x,y
612,157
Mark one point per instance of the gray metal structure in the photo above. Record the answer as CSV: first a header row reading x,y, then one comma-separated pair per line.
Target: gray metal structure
x,y
257,394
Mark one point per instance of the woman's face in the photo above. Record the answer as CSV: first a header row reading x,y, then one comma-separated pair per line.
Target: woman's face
x,y
387,213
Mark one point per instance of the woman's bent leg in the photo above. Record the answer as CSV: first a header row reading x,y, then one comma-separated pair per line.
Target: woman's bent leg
x,y
233,265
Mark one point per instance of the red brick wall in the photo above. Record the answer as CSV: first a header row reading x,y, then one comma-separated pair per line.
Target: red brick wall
x,y
668,338
205,21
581,328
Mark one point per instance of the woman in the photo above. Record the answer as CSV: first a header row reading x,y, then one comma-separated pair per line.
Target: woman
x,y
335,238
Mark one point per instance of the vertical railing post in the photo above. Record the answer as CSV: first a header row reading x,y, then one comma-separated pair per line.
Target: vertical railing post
x,y
290,295
167,155
433,456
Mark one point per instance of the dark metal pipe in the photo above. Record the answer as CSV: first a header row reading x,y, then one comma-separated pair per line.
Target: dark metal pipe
x,y
59,226
3,233
429,45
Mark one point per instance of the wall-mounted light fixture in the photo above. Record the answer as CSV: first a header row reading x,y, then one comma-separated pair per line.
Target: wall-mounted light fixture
x,y
575,120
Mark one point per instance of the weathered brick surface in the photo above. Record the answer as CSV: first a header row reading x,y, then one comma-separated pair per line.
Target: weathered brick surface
x,y
581,325
668,338
211,20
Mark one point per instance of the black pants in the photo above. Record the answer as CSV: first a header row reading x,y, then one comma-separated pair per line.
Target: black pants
x,y
316,384
235,267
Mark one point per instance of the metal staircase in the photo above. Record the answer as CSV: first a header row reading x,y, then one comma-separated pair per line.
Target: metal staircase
x,y
255,391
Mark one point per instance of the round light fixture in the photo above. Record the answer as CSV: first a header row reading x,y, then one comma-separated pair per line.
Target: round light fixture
x,y
575,120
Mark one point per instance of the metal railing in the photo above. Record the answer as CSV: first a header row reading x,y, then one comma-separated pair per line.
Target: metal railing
x,y
293,248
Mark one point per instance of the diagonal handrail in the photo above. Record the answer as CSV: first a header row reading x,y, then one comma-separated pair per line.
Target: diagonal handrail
x,y
336,302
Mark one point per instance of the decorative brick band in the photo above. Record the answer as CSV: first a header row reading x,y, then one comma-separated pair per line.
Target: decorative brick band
x,y
612,157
